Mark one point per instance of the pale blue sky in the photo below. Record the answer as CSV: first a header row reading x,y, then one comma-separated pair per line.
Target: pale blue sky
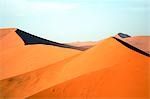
x,y
76,20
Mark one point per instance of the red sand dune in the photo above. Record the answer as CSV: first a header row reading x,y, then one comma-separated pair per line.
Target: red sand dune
x,y
109,70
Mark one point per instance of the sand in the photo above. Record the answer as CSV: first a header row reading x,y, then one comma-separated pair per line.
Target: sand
x,y
101,73
83,45
141,42
9,39
108,70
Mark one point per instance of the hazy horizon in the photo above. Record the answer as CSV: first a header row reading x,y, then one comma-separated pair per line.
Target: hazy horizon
x,y
76,20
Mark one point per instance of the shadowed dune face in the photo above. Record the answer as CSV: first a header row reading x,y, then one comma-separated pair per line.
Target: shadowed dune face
x,y
12,37
32,39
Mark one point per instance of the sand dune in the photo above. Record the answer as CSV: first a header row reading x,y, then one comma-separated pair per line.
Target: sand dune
x,y
141,42
20,59
112,69
9,39
116,76
103,76
83,45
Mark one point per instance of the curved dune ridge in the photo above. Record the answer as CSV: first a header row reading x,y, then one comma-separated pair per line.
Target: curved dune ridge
x,y
17,58
140,42
108,70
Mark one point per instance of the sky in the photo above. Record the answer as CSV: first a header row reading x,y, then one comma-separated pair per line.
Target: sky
x,y
76,20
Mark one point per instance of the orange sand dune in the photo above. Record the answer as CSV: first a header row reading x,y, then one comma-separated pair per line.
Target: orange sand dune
x,y
9,39
141,42
117,82
17,58
105,56
32,82
31,57
103,72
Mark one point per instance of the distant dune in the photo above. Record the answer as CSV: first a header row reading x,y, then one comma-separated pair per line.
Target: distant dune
x,y
83,45
35,68
141,42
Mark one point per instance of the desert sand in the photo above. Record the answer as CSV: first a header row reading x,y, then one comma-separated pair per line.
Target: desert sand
x,y
16,58
9,39
108,70
101,73
83,45
141,42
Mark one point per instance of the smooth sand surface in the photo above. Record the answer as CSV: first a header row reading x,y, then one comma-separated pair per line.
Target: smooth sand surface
x,y
29,83
83,45
108,70
102,57
9,39
103,72
20,59
28,58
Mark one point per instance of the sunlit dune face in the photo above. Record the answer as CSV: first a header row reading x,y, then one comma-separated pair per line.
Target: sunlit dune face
x,y
6,31
103,71
9,39
116,82
31,57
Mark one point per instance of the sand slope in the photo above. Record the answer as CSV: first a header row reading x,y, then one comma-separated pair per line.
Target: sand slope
x,y
101,73
103,57
17,58
22,58
109,70
9,39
